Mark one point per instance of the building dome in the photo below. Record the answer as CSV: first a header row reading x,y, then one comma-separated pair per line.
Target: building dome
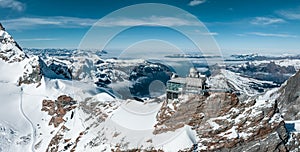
x,y
194,73
193,70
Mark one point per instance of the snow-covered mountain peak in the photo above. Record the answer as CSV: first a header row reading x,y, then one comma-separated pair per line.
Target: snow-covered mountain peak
x,y
16,66
10,51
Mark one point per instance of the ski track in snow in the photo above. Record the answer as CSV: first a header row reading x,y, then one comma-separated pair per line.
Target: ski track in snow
x,y
33,134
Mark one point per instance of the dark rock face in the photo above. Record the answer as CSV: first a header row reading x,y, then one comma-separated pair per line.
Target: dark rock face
x,y
143,75
55,70
223,123
61,69
289,99
103,80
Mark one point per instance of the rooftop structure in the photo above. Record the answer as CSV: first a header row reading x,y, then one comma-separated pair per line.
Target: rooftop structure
x,y
195,83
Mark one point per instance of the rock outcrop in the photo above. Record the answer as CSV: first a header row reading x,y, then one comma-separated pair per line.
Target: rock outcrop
x,y
32,73
289,99
58,108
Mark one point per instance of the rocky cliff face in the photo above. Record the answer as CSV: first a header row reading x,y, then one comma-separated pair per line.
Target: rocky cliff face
x,y
289,104
289,99
31,73
223,123
55,69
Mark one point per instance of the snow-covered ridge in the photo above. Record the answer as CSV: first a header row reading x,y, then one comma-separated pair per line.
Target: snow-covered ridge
x,y
10,51
21,69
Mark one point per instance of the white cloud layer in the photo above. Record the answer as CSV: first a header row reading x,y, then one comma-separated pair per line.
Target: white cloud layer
x,y
61,21
153,20
38,39
73,22
266,21
290,14
12,4
196,2
273,35
208,33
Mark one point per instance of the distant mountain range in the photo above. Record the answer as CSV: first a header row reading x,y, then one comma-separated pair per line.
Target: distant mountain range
x,y
236,57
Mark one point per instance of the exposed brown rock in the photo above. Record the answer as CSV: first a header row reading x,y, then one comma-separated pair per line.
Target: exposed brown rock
x,y
61,111
58,108
66,140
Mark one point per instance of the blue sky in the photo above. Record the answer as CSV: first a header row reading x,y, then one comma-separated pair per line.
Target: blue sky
x,y
268,26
